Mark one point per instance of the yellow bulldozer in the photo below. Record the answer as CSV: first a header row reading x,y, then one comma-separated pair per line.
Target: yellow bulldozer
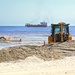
x,y
59,33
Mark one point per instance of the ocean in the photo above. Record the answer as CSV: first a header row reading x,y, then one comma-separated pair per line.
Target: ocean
x,y
28,35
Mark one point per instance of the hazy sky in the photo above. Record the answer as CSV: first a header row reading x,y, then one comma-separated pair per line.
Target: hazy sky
x,y
19,12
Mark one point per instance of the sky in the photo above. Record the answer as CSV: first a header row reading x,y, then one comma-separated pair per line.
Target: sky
x,y
19,12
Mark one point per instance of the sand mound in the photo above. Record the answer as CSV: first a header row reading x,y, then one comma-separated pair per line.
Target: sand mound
x,y
21,52
33,59
48,52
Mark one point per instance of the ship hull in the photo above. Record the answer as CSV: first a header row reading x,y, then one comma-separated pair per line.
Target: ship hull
x,y
42,24
36,26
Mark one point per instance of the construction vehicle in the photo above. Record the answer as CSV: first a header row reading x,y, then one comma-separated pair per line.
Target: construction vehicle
x,y
3,39
59,33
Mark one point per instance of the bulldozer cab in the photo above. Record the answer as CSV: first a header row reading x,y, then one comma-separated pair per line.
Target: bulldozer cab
x,y
59,32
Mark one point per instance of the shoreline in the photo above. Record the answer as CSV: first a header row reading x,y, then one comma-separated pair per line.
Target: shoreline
x,y
25,41
28,41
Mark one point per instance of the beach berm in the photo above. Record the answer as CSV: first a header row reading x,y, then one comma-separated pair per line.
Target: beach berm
x,y
48,52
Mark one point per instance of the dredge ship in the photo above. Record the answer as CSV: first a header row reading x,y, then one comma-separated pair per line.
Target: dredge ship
x,y
42,24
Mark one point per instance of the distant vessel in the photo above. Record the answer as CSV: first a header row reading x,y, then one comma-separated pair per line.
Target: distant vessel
x,y
42,24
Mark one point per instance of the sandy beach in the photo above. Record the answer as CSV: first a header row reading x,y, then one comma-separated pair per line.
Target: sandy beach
x,y
35,66
37,37
57,59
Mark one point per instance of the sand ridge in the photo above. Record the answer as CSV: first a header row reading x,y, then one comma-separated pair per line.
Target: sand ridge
x,y
48,52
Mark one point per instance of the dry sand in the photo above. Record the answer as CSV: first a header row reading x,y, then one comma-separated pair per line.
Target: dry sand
x,y
38,60
35,66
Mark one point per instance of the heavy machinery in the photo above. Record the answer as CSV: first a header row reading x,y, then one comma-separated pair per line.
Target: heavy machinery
x,y
59,33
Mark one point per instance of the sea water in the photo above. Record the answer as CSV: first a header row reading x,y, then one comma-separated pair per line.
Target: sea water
x,y
28,35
